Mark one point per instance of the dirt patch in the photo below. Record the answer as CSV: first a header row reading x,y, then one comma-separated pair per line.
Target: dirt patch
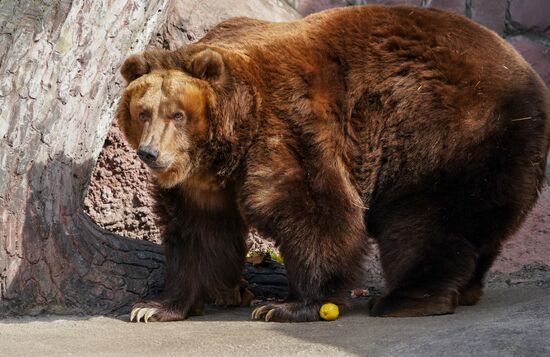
x,y
118,196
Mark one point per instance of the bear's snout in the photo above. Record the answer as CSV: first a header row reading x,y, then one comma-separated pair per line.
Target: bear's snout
x,y
148,154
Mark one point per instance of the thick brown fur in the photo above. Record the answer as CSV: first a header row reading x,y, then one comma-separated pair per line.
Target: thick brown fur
x,y
415,126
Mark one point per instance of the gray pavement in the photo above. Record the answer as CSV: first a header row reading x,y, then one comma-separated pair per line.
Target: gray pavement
x,y
507,322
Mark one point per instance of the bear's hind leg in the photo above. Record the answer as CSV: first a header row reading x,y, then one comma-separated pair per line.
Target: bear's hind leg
x,y
489,228
473,290
424,265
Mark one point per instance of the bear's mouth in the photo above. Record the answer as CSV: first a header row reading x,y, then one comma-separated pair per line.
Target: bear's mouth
x,y
156,167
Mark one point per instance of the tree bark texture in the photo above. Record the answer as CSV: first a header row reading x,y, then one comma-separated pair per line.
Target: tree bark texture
x,y
59,85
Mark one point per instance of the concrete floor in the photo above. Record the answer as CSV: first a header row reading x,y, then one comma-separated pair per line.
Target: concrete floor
x,y
507,322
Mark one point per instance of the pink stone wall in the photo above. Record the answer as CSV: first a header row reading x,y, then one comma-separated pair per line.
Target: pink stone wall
x,y
531,244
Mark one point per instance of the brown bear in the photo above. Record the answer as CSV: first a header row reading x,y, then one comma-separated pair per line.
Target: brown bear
x,y
413,126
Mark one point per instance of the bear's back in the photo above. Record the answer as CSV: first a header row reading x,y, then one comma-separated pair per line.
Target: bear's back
x,y
374,43
428,83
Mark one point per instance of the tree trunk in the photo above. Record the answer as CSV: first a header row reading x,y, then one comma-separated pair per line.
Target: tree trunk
x,y
59,85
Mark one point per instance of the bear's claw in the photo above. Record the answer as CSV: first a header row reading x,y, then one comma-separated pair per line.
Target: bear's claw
x,y
142,312
269,315
263,312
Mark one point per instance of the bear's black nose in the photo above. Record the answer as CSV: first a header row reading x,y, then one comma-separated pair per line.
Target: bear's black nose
x,y
147,153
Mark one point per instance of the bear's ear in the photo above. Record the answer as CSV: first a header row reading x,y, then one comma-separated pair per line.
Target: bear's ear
x,y
208,65
134,67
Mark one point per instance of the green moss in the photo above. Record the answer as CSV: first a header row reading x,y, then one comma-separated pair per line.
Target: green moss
x,y
275,256
271,252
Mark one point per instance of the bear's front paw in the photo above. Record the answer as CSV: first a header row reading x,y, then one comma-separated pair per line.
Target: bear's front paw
x,y
147,313
287,312
153,310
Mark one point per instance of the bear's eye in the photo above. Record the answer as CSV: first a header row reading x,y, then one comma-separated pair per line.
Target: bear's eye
x,y
142,116
178,116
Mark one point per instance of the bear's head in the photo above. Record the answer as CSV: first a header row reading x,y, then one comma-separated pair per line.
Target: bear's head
x,y
165,114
